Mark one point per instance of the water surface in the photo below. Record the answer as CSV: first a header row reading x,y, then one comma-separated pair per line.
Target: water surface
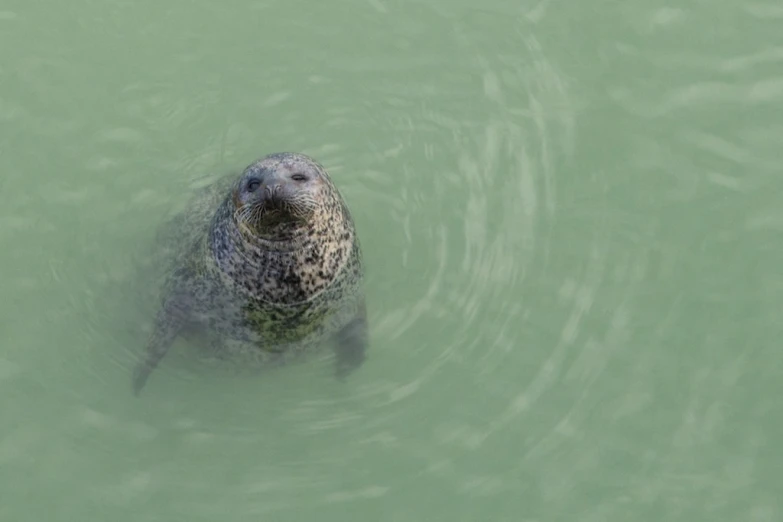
x,y
571,219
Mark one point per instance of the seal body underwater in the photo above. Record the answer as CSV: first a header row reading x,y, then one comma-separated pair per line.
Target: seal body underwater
x,y
269,258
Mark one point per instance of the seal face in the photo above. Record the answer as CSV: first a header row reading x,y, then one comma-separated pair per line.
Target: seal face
x,y
276,265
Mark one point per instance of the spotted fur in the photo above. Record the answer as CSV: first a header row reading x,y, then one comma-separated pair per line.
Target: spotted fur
x,y
281,297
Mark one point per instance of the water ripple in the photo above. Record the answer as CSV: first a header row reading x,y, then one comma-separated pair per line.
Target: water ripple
x,y
478,323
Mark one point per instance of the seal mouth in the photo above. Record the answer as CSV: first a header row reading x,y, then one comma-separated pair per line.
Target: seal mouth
x,y
274,220
276,210
277,224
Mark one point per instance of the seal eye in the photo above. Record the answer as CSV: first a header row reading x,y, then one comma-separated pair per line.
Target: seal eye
x,y
253,185
299,177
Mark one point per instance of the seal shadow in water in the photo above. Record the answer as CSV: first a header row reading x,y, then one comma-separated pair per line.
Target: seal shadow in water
x,y
262,268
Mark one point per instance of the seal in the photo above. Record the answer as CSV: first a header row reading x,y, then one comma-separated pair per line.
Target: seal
x,y
276,266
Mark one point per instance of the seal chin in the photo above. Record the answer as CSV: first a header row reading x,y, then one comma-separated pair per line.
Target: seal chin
x,y
275,221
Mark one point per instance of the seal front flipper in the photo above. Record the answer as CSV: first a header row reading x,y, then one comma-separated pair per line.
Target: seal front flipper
x,y
351,344
169,322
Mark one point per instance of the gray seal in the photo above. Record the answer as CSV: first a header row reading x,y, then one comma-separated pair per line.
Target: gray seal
x,y
269,258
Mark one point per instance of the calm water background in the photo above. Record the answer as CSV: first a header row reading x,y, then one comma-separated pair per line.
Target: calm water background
x,y
571,214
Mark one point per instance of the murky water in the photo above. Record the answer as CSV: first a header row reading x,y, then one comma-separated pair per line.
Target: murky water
x,y
571,217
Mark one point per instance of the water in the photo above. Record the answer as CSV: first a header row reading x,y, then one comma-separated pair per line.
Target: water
x,y
571,218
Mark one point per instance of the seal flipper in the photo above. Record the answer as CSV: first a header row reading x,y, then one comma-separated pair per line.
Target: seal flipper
x,y
351,344
169,322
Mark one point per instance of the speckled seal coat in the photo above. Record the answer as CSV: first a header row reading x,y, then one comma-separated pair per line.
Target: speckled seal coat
x,y
276,265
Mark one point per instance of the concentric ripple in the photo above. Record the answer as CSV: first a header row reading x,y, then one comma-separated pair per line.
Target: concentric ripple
x,y
456,205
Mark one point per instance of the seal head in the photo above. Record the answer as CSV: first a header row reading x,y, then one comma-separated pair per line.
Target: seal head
x,y
276,197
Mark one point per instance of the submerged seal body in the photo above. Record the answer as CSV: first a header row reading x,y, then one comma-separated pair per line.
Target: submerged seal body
x,y
277,265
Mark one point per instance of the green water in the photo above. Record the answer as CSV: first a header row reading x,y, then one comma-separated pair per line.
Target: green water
x,y
571,215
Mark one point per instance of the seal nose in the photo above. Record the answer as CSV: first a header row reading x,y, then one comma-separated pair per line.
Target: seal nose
x,y
270,185
273,193
272,190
